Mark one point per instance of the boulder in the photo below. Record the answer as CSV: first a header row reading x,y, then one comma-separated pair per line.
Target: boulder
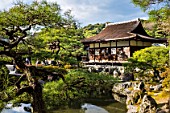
x,y
139,86
128,77
125,88
156,87
132,109
163,109
148,105
119,98
135,97
133,100
137,100
122,88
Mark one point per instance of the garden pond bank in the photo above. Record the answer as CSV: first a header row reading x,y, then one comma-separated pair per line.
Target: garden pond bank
x,y
91,106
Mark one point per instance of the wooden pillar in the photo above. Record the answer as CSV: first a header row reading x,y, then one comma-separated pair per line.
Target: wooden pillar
x,y
94,51
109,55
99,52
116,49
129,48
110,44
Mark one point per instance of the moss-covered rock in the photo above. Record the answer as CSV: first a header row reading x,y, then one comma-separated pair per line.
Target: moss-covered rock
x,y
135,97
148,105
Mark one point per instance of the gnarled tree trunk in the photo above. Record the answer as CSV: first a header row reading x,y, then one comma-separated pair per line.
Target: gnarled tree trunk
x,y
34,87
38,103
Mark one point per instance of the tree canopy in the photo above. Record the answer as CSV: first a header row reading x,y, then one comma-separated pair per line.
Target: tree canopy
x,y
159,13
59,43
92,30
16,25
16,22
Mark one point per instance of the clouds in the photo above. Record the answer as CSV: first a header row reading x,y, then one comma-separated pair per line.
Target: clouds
x,y
5,4
97,11
101,11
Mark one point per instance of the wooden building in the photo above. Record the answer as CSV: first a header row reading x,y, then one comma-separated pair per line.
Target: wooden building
x,y
117,42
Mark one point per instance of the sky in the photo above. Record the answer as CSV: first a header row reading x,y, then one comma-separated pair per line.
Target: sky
x,y
94,11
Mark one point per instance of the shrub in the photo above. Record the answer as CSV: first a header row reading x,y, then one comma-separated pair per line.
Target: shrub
x,y
67,66
6,79
151,59
5,59
166,81
78,85
57,69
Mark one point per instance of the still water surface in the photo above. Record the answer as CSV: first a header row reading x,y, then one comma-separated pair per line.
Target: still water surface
x,y
93,107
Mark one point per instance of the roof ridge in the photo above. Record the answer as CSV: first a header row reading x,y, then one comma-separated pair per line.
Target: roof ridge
x,y
117,23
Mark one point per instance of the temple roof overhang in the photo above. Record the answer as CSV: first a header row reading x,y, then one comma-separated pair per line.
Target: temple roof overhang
x,y
123,31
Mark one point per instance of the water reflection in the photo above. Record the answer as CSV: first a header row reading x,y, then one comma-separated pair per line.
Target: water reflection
x,y
21,108
89,108
85,108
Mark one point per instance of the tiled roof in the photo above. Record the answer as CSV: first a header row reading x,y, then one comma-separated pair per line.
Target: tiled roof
x,y
120,31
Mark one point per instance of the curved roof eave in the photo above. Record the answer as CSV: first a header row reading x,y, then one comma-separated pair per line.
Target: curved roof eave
x,y
153,39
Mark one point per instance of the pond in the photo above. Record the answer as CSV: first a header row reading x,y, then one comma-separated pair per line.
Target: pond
x,y
94,106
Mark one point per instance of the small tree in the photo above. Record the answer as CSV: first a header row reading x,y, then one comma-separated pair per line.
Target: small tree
x,y
59,43
62,43
151,58
15,26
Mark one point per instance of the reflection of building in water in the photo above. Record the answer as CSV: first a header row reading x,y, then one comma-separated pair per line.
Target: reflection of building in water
x,y
117,42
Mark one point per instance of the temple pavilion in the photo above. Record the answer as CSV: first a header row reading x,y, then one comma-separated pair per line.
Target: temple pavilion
x,y
117,42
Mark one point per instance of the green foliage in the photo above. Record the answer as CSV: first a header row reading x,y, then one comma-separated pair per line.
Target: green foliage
x,y
2,105
23,98
155,57
6,80
146,60
4,77
139,69
38,13
22,20
78,85
8,95
149,58
57,69
5,60
92,30
154,30
158,11
68,48
161,22
67,66
166,81
16,25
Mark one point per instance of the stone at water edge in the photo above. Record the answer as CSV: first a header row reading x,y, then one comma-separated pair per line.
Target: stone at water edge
x,y
148,105
132,109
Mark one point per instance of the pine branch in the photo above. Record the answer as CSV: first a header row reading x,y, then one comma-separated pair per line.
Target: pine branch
x,y
28,89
